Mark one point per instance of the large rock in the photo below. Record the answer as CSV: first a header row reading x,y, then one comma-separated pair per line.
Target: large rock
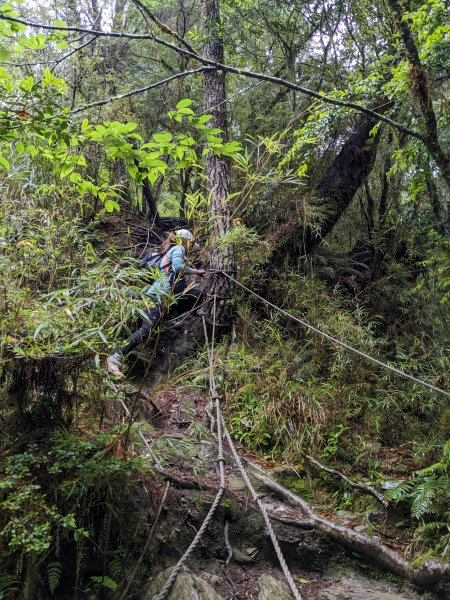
x,y
272,589
186,587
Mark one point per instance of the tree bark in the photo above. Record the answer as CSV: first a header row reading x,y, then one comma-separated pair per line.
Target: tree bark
x,y
150,196
420,87
217,168
343,178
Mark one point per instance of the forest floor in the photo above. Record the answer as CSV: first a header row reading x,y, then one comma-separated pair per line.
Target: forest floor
x,y
180,439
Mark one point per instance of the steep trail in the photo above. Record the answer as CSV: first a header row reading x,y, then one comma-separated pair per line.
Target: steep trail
x,y
186,452
173,416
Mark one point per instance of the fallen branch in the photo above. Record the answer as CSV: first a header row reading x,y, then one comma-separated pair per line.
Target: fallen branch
x,y
428,574
188,484
367,489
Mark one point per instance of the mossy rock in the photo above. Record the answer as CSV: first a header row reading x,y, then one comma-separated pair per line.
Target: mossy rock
x,y
301,487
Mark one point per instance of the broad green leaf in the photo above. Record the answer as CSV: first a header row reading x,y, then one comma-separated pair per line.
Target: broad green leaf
x,y
4,163
186,111
163,138
4,55
111,205
184,103
65,170
20,147
27,84
204,119
75,177
32,150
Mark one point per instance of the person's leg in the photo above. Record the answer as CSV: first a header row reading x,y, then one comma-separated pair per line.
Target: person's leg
x,y
114,362
189,299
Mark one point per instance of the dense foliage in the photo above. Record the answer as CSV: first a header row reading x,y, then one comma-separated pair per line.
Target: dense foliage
x,y
339,210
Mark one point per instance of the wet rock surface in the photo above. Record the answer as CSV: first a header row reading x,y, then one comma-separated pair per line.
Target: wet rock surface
x,y
322,567
272,589
186,587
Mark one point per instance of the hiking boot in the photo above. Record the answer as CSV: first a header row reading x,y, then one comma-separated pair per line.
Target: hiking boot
x,y
114,365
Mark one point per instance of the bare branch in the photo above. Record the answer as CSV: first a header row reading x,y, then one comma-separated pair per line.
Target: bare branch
x,y
162,26
428,573
230,69
140,90
69,54
368,489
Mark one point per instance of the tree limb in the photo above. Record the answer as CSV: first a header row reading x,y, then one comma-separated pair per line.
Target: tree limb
x,y
222,67
427,574
162,26
59,61
367,489
141,90
420,85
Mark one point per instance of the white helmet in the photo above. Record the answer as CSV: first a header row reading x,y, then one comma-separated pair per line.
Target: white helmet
x,y
184,234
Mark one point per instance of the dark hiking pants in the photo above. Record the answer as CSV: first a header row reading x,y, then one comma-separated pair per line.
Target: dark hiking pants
x,y
184,303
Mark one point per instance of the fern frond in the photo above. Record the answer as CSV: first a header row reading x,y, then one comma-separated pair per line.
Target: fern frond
x,y
115,568
401,491
433,527
8,583
54,572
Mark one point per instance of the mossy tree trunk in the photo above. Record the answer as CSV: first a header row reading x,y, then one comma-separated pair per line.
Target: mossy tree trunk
x,y
217,167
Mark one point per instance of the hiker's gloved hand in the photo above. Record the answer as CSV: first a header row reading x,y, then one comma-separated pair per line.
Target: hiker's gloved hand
x,y
200,272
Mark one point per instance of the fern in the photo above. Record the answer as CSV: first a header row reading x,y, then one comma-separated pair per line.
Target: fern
x,y
105,582
8,583
428,493
115,568
54,572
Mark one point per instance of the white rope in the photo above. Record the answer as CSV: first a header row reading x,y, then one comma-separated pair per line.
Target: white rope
x,y
220,424
339,342
220,459
263,510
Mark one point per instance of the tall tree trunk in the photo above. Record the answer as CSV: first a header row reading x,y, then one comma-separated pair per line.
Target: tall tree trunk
x,y
217,167
420,86
343,178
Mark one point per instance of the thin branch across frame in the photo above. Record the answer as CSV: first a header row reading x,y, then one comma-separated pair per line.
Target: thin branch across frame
x,y
229,69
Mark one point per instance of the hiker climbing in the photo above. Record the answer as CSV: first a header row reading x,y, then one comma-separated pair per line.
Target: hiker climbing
x,y
173,265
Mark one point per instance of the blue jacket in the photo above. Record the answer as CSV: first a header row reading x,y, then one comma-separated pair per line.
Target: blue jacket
x,y
176,257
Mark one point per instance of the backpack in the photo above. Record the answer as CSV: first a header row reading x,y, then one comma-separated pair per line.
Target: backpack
x,y
152,260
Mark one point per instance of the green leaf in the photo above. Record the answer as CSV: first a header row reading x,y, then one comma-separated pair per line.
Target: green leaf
x,y
163,138
204,119
105,581
184,103
75,177
4,163
155,163
32,150
110,206
65,170
39,328
4,55
27,84
20,148
186,111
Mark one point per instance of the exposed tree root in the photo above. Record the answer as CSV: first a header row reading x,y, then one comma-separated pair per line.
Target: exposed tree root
x,y
428,574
